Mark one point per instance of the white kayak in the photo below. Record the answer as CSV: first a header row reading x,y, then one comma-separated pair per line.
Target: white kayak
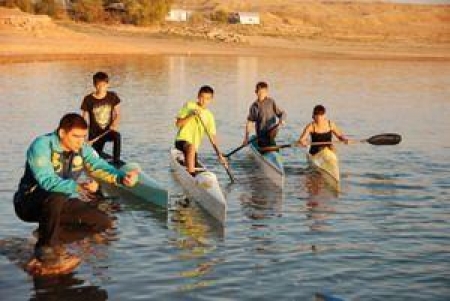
x,y
271,163
327,163
204,188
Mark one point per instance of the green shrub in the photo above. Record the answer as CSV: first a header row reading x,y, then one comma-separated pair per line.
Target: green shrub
x,y
89,10
53,8
220,16
196,18
146,12
23,5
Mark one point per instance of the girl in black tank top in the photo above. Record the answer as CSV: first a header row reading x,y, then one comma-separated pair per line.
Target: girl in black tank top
x,y
320,137
311,131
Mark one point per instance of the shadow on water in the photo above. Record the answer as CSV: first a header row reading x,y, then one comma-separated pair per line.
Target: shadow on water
x,y
62,287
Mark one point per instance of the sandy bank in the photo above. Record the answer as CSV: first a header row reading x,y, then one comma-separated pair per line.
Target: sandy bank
x,y
26,37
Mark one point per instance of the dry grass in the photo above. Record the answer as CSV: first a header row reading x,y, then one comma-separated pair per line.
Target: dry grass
x,y
341,19
289,27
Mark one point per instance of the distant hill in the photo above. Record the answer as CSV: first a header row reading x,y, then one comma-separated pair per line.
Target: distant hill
x,y
342,20
274,4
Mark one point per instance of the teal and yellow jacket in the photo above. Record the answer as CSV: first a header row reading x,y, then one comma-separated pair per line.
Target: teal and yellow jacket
x,y
49,168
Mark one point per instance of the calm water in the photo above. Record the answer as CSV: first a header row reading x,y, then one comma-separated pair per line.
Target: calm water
x,y
385,237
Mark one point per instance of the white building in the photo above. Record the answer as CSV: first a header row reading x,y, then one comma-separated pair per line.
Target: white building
x,y
178,15
249,18
116,7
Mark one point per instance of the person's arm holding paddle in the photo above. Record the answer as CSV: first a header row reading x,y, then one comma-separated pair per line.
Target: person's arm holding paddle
x,y
182,121
338,133
193,121
112,128
249,125
210,130
281,114
222,159
303,140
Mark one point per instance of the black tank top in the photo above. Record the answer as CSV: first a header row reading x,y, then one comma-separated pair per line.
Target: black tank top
x,y
320,137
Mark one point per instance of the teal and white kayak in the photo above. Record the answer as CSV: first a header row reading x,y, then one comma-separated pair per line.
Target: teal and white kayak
x,y
147,188
271,163
204,188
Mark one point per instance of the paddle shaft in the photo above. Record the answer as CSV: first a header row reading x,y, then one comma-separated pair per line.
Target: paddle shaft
x,y
216,149
100,136
381,139
277,147
90,142
250,141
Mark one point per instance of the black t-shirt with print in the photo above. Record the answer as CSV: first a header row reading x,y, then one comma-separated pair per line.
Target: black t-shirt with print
x,y
100,112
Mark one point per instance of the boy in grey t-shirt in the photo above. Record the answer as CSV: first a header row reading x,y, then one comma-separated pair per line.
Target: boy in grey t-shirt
x,y
264,112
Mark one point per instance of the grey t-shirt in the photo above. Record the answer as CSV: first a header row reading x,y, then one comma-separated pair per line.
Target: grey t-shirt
x,y
264,114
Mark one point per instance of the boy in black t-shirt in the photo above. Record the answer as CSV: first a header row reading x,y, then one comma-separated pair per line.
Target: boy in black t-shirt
x,y
101,109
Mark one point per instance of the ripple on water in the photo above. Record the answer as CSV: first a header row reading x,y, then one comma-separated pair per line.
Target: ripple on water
x,y
384,237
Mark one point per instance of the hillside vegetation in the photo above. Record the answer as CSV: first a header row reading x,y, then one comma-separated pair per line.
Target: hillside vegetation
x,y
340,20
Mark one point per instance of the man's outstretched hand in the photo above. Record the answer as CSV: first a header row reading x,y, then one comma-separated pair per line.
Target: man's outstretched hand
x,y
131,178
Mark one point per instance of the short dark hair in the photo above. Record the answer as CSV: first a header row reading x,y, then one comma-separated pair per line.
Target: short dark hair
x,y
319,110
261,85
71,121
100,77
205,90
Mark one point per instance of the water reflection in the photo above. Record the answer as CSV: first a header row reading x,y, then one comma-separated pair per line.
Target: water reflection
x,y
125,201
196,235
319,203
387,189
67,288
85,244
193,225
261,203
261,199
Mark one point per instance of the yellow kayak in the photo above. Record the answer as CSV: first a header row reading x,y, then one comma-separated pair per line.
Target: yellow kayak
x,y
326,161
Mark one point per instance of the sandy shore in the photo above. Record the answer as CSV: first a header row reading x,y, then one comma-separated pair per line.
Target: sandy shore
x,y
47,40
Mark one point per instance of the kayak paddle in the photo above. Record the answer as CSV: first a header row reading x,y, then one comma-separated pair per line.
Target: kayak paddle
x,y
216,149
381,139
250,141
90,142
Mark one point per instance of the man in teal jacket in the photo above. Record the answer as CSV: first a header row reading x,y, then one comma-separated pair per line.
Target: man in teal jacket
x,y
49,193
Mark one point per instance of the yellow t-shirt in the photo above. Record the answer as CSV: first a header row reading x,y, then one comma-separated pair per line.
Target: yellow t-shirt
x,y
193,131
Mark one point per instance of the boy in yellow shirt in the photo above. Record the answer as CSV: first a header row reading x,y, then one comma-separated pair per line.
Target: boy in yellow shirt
x,y
191,129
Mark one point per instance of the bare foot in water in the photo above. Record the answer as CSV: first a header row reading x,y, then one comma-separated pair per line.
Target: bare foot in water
x,y
64,265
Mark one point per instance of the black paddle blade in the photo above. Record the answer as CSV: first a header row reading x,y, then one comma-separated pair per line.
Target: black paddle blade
x,y
385,139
